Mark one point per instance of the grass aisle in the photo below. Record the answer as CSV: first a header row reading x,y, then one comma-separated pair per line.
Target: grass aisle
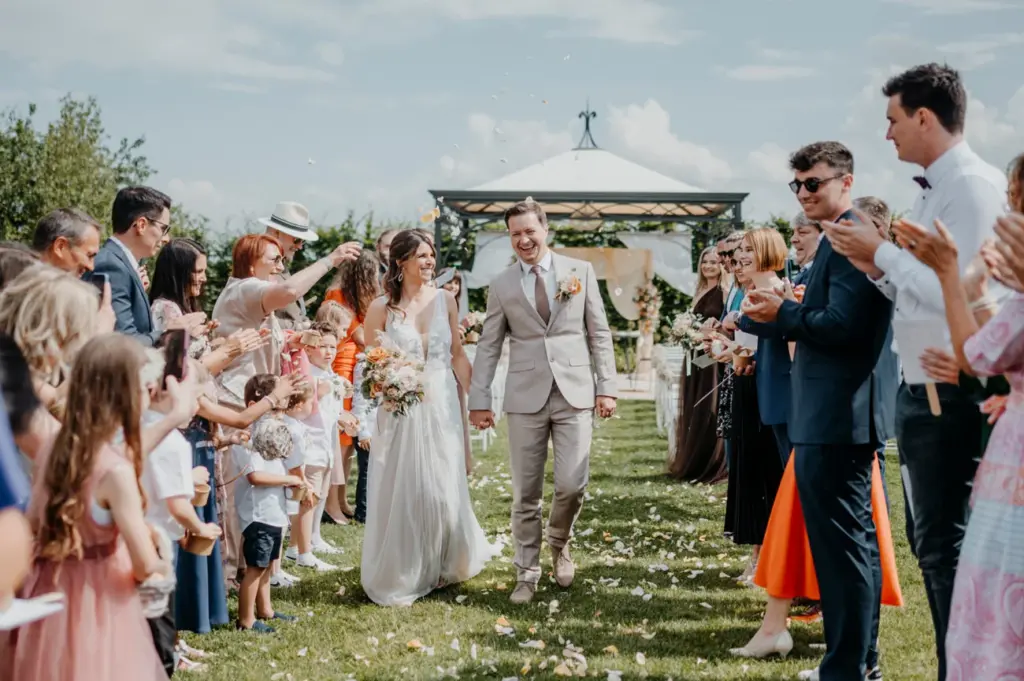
x,y
655,595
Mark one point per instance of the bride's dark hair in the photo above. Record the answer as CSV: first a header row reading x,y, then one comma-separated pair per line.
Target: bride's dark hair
x,y
403,247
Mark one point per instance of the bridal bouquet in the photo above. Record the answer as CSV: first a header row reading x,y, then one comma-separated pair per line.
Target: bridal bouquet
x,y
392,379
474,326
686,331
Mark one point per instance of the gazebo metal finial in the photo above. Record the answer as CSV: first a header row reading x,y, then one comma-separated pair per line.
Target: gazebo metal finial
x,y
587,141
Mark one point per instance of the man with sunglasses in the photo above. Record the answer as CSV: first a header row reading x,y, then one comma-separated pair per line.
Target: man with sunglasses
x,y
834,420
141,219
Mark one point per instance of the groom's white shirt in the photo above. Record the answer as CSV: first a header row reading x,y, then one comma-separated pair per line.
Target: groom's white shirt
x,y
530,280
573,350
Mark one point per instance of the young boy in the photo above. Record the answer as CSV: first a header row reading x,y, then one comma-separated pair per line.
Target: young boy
x,y
308,462
169,480
262,510
324,426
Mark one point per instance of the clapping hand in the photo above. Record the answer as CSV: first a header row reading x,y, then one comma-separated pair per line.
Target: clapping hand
x,y
858,241
194,323
938,251
288,385
244,341
184,397
994,406
1000,268
1010,230
762,305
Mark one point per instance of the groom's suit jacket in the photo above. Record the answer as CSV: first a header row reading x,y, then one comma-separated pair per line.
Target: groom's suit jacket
x,y
840,329
573,351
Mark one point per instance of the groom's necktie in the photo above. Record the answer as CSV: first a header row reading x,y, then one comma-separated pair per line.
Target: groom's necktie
x,y
540,292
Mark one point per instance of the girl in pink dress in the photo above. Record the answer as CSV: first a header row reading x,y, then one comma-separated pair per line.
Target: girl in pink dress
x,y
92,542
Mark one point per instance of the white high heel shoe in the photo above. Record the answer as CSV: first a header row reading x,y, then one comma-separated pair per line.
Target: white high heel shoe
x,y
761,647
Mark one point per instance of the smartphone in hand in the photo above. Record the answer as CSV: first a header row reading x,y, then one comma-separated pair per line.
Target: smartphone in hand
x,y
176,354
100,281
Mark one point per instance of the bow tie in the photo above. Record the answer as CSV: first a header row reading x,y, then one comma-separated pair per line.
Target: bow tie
x,y
923,182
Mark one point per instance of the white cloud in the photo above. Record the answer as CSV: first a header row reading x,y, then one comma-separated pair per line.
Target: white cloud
x,y
243,88
956,6
189,36
769,72
645,132
769,162
978,51
198,196
330,53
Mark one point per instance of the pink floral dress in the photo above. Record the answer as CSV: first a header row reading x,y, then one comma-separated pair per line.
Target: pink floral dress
x,y
985,641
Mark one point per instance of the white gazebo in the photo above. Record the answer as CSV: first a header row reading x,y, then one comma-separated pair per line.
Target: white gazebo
x,y
587,188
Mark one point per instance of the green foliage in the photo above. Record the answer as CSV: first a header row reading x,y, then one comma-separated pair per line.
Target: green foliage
x,y
71,163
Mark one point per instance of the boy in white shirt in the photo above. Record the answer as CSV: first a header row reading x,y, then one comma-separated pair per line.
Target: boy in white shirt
x,y
324,426
263,517
304,454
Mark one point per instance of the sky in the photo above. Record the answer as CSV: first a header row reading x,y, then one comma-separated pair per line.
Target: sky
x,y
363,105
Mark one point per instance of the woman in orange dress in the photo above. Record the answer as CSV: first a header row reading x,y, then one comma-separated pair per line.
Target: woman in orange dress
x,y
355,287
785,568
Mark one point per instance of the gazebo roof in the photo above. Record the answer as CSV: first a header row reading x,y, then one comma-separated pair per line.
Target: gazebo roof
x,y
591,185
586,170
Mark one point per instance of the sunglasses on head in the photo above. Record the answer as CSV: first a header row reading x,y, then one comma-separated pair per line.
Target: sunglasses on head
x,y
812,184
726,254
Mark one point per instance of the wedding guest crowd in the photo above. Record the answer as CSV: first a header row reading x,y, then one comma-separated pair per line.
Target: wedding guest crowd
x,y
824,390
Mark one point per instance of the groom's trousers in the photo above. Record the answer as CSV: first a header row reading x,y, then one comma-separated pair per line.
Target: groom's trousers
x,y
834,483
570,431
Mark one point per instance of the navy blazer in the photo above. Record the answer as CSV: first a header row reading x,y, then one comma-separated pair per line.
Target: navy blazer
x,y
771,369
131,304
840,329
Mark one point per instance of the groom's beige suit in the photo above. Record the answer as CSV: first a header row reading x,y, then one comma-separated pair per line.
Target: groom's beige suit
x,y
555,372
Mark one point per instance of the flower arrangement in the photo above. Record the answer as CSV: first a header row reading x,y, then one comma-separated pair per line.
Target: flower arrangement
x,y
568,287
473,323
649,302
686,331
391,379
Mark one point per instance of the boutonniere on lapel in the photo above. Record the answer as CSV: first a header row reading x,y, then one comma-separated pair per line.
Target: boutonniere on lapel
x,y
568,287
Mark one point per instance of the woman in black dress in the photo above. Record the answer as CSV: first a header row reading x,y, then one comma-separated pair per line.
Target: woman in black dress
x,y
699,454
756,468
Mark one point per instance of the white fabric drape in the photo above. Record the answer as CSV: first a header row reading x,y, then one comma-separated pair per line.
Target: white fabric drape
x,y
673,261
624,271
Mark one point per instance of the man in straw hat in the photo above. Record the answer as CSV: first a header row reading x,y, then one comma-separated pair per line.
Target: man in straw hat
x,y
289,224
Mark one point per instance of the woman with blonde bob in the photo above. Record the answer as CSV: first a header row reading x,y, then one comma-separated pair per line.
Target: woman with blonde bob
x,y
51,315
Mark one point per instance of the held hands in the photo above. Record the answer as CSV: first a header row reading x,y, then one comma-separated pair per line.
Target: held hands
x,y
482,419
940,366
605,406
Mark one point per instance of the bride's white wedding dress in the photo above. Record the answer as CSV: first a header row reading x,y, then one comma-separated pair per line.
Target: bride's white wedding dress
x,y
420,527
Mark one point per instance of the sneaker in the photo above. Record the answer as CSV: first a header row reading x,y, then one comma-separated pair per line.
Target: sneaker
x,y
185,649
281,617
290,577
327,548
186,665
257,628
315,563
292,553
280,581
874,674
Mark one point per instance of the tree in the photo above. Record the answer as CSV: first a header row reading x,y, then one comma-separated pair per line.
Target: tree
x,y
70,164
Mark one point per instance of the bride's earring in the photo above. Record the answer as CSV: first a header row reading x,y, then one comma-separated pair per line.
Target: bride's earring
x,y
399,275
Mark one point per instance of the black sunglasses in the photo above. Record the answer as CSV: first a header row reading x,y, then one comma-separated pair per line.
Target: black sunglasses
x,y
812,184
726,254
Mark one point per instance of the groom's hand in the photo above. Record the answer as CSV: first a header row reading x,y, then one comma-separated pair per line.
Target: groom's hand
x,y
605,406
482,419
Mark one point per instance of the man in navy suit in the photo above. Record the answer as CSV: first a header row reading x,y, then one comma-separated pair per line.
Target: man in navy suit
x,y
839,330
141,219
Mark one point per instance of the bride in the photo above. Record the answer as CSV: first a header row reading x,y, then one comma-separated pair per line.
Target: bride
x,y
421,532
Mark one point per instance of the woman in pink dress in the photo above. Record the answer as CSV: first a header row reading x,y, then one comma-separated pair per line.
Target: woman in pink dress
x,y
985,640
92,541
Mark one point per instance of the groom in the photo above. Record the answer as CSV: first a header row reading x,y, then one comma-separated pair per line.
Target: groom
x,y
550,309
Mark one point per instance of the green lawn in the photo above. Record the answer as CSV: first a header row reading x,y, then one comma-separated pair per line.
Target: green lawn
x,y
654,597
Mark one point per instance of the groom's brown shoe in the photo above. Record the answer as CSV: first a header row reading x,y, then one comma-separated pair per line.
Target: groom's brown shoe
x,y
523,593
564,569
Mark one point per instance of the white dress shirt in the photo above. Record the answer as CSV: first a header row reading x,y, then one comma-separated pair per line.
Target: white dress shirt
x,y
258,503
530,280
967,195
131,257
166,474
